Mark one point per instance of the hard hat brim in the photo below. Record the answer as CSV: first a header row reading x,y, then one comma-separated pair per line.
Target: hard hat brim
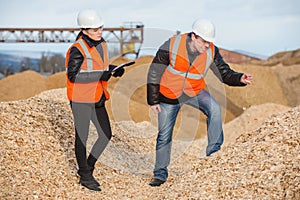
x,y
93,26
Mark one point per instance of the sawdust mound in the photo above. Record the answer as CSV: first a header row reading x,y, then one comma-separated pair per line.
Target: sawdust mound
x,y
284,58
29,83
57,80
289,78
262,164
251,119
266,88
22,86
37,158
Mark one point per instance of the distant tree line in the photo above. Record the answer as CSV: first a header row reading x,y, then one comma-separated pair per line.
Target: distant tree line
x,y
51,64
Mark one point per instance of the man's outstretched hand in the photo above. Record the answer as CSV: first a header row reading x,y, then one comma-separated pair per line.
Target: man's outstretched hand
x,y
246,79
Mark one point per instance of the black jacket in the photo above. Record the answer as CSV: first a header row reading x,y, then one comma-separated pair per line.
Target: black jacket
x,y
161,61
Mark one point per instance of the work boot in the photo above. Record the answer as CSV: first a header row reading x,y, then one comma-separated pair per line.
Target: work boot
x,y
89,182
91,169
156,182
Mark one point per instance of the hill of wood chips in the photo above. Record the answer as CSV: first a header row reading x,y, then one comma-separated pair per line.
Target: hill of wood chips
x,y
259,159
37,158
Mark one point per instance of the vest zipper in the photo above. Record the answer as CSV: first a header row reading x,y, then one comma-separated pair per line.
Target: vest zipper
x,y
185,77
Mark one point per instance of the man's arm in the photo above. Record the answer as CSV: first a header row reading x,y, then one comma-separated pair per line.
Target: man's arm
x,y
225,74
156,70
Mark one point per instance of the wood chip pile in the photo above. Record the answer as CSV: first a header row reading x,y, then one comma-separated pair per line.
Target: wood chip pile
x,y
37,158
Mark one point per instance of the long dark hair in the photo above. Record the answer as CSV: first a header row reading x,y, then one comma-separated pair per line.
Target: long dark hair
x,y
79,34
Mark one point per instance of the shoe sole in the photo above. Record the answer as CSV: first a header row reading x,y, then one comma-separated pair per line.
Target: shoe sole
x,y
156,184
90,186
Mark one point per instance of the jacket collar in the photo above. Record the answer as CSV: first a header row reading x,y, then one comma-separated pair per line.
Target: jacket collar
x,y
88,40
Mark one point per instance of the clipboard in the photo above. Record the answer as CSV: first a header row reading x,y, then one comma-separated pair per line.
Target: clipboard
x,y
123,65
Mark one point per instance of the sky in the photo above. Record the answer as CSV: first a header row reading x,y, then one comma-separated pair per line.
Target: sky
x,y
262,27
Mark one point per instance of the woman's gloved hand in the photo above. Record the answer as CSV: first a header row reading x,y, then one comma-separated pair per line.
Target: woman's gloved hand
x,y
119,72
105,76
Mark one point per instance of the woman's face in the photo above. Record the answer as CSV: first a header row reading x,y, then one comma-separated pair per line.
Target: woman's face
x,y
94,33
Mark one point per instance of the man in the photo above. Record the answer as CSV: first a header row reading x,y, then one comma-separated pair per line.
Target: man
x,y
88,71
176,77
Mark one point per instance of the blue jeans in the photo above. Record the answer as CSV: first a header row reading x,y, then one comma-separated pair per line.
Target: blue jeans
x,y
166,121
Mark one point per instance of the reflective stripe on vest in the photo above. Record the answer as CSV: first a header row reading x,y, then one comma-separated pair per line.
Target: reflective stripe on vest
x,y
188,74
88,59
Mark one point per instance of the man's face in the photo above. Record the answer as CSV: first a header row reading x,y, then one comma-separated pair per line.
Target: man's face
x,y
199,44
94,33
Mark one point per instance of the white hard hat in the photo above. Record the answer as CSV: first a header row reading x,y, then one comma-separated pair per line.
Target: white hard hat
x,y
89,18
205,29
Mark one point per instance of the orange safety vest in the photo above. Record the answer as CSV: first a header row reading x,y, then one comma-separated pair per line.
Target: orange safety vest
x,y
180,76
88,92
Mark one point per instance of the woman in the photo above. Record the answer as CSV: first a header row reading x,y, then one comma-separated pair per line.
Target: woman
x,y
87,75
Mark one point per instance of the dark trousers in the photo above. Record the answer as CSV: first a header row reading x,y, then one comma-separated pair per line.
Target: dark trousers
x,y
83,113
